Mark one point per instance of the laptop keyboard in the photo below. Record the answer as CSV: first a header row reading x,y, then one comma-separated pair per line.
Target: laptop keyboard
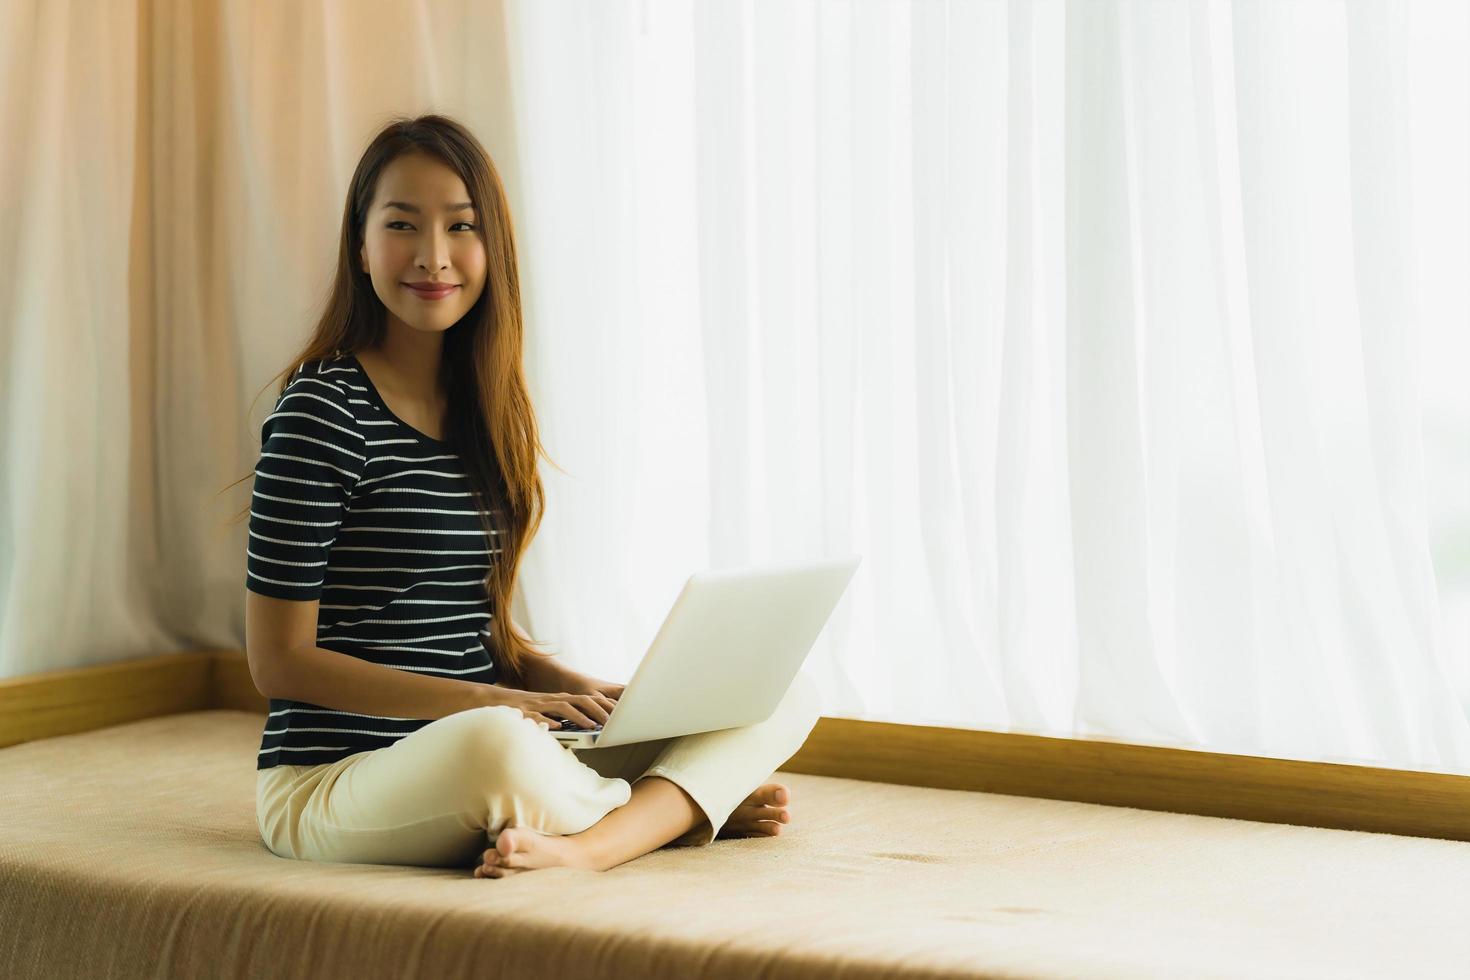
x,y
572,726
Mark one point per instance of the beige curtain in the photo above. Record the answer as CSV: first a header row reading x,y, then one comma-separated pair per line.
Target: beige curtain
x,y
173,176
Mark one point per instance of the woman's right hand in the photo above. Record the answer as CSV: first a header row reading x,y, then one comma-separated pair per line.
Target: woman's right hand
x,y
581,710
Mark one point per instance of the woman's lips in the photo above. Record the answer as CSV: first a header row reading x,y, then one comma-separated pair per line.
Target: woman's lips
x,y
438,293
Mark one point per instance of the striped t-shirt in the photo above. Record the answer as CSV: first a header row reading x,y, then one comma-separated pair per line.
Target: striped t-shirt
x,y
356,508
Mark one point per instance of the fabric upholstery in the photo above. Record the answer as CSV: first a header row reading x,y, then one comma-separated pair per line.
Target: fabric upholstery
x,y
118,859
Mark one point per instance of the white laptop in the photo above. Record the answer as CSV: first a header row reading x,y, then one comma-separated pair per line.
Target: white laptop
x,y
725,654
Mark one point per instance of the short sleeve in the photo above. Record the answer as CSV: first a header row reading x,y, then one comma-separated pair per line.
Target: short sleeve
x,y
312,454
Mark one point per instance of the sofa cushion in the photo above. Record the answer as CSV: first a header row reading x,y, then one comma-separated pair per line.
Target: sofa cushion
x,y
133,850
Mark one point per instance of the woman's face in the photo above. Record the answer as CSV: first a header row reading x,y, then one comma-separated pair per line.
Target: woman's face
x,y
415,231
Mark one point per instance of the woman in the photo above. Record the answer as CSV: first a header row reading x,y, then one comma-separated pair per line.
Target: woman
x,y
394,498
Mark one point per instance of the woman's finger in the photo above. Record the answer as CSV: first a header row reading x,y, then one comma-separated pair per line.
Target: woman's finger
x,y
575,714
597,709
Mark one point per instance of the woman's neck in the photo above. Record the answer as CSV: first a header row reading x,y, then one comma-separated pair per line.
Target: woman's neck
x,y
409,365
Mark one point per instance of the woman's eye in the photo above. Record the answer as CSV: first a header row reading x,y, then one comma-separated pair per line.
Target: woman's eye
x,y
456,224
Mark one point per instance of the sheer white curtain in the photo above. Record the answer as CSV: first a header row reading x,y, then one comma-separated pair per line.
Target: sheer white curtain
x,y
1125,341
1096,327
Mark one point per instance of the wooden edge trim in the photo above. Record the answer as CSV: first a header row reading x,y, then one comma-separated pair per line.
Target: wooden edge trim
x,y
80,699
1315,794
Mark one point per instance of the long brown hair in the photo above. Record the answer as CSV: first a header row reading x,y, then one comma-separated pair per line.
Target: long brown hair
x,y
491,422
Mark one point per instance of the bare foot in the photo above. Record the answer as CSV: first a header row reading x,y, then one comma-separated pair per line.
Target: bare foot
x,y
761,814
518,849
523,849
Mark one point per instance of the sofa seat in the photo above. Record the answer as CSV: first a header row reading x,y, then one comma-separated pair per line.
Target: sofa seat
x,y
132,851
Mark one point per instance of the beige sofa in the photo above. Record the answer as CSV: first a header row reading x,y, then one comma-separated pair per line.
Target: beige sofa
x,y
131,850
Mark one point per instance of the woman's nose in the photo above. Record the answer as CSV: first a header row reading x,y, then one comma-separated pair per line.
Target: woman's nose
x,y
435,254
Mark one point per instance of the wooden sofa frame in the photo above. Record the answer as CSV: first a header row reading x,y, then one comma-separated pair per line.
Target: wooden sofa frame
x,y
1151,777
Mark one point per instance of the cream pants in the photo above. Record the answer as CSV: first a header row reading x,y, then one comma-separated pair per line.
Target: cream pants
x,y
439,796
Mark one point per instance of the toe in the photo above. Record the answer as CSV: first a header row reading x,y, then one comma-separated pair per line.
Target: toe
x,y
771,794
505,848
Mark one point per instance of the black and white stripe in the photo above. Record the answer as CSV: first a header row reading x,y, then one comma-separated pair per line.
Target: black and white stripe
x,y
358,510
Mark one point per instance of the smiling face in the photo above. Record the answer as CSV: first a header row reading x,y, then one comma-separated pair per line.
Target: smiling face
x,y
422,228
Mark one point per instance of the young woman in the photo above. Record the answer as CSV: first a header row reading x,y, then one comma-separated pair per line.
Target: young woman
x,y
395,495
